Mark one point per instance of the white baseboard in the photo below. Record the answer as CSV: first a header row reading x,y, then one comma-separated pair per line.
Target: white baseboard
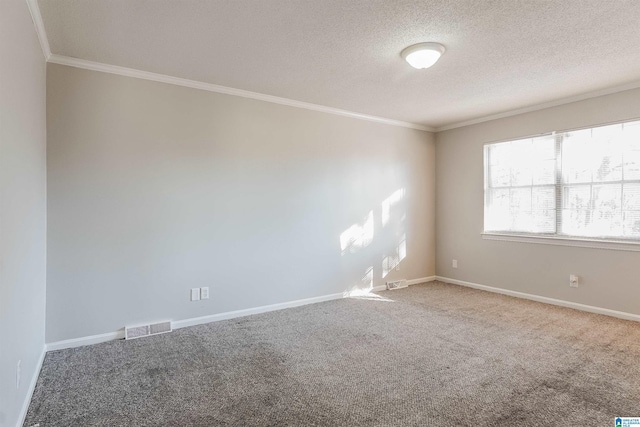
x,y
95,339
249,311
79,342
553,301
409,283
32,387
421,280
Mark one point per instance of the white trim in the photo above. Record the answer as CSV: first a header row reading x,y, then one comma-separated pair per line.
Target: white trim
x,y
177,324
565,241
145,75
556,103
92,339
36,17
409,283
421,280
547,300
256,310
32,387
34,9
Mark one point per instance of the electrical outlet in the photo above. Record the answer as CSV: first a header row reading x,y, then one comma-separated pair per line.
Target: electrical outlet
x,y
18,374
195,294
454,264
573,280
204,293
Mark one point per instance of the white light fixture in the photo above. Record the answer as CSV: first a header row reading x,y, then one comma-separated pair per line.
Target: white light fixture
x,y
423,55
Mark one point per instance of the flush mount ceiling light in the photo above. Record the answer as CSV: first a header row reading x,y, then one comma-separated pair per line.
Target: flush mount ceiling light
x,y
423,55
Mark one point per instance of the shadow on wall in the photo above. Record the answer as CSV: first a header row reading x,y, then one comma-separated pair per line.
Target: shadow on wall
x,y
386,243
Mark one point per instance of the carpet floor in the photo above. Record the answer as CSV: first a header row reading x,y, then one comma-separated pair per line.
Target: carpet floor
x,y
431,355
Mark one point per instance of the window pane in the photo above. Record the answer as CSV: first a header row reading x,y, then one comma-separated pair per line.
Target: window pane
x,y
607,210
543,209
632,224
544,198
576,153
631,135
575,221
513,203
545,172
500,175
499,153
631,197
599,195
607,160
544,148
497,213
607,197
520,162
521,209
632,164
577,198
592,211
521,199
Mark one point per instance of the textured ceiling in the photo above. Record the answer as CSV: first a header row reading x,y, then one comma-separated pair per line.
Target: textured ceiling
x,y
501,55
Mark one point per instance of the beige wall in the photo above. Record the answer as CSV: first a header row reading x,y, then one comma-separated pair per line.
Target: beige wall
x,y
609,278
155,189
22,206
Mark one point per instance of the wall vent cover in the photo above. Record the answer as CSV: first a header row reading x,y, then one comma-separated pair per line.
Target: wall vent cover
x,y
398,284
131,332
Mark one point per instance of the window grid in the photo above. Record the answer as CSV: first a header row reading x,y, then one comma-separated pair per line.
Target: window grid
x,y
601,218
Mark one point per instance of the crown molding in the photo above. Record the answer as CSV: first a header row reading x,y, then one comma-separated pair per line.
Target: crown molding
x,y
36,17
146,75
536,107
34,9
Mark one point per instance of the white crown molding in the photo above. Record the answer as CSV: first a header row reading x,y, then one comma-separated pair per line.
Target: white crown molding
x,y
547,300
145,75
39,24
536,107
32,387
34,9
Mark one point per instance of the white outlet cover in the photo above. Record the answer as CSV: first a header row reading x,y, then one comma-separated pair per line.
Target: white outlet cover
x,y
573,281
454,263
195,294
204,293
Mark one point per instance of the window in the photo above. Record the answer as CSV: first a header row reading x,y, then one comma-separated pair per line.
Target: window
x,y
581,184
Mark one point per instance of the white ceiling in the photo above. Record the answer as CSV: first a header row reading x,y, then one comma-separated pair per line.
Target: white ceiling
x,y
501,54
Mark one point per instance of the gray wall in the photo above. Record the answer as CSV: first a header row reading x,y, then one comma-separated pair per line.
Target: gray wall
x,y
609,278
155,189
22,205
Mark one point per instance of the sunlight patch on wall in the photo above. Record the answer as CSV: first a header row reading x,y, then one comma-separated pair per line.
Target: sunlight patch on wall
x,y
363,289
363,286
392,260
389,203
358,236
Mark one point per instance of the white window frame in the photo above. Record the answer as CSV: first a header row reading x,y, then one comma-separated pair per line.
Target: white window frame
x,y
556,238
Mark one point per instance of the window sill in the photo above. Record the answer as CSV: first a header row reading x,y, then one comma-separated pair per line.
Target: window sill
x,y
565,241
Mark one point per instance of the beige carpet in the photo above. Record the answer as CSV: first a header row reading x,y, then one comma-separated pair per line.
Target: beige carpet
x,y
430,355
